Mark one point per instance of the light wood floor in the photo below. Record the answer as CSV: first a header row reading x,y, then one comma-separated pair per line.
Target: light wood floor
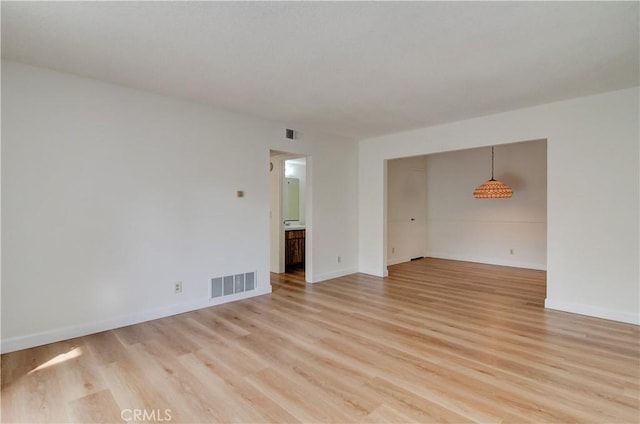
x,y
437,341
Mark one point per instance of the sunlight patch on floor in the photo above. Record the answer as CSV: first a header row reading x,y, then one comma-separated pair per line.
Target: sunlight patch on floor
x,y
73,353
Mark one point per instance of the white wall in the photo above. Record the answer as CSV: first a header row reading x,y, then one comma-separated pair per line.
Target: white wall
x,y
592,196
110,195
334,165
488,230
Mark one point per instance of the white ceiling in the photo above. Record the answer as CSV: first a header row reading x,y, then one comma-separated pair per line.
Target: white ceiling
x,y
352,68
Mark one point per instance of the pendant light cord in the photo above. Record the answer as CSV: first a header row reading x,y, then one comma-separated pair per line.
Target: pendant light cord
x,y
492,163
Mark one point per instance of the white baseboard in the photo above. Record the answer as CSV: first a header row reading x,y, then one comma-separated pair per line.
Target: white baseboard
x,y
490,261
239,296
375,273
51,336
592,311
335,274
398,260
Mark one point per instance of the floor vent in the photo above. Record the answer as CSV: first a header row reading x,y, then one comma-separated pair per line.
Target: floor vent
x,y
232,284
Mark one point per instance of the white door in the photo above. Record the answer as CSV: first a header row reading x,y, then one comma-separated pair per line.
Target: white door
x,y
416,190
406,212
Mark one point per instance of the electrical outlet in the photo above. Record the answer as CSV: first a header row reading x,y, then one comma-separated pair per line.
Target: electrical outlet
x,y
177,287
511,251
339,259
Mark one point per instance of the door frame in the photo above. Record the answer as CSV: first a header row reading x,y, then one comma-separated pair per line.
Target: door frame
x,y
276,223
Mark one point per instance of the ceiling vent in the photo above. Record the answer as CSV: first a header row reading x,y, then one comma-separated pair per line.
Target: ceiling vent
x,y
290,134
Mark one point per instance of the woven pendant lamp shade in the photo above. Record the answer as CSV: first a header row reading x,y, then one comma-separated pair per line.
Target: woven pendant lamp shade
x,y
493,189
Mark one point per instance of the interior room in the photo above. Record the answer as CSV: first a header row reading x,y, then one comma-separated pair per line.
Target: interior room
x,y
320,212
431,214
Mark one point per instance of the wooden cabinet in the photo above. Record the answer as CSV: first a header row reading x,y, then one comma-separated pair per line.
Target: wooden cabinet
x,y
294,248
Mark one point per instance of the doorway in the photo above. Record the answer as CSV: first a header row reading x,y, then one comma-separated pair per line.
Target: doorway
x,y
508,232
289,213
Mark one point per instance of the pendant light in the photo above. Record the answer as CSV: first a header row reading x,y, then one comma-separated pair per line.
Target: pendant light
x,y
492,189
